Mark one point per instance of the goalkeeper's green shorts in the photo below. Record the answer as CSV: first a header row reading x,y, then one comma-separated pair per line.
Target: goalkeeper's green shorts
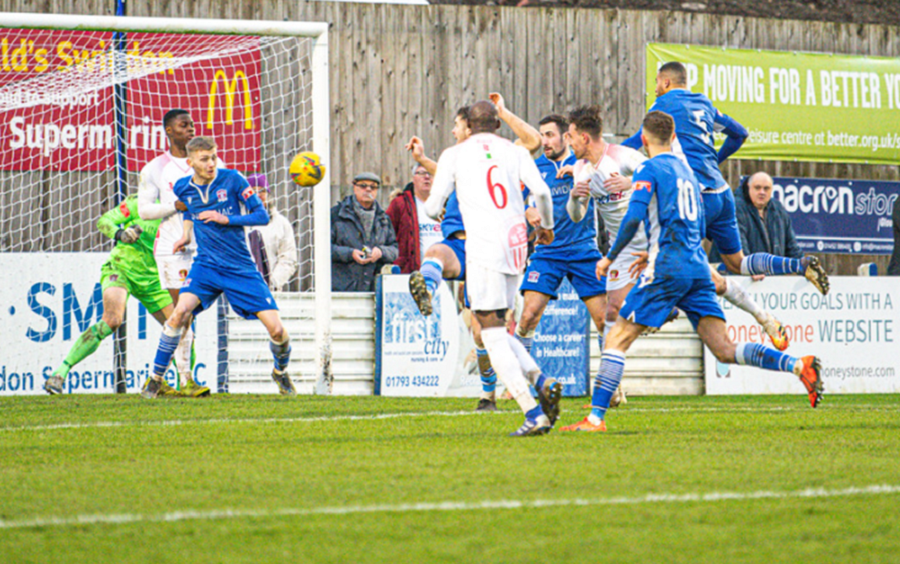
x,y
143,285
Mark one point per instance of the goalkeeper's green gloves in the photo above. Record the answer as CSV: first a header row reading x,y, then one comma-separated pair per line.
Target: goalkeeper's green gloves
x,y
130,234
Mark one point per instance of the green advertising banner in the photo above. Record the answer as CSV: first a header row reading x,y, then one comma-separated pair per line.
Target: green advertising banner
x,y
797,106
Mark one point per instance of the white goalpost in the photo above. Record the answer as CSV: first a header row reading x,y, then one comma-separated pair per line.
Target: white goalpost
x,y
81,106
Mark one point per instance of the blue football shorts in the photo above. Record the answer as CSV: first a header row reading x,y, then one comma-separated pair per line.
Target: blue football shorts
x,y
246,290
544,275
650,304
721,223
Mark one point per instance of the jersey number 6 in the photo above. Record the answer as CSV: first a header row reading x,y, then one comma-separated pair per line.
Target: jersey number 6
x,y
494,187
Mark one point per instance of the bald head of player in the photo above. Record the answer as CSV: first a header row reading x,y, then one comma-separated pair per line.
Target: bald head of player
x,y
657,133
670,76
483,117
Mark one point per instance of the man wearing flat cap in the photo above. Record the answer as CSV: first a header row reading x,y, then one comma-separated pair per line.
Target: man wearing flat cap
x,y
362,237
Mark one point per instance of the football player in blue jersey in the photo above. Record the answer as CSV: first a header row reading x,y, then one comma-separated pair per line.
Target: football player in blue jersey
x,y
446,260
696,119
573,254
214,199
667,199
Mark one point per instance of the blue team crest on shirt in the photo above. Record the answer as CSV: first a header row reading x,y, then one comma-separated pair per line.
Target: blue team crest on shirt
x,y
221,194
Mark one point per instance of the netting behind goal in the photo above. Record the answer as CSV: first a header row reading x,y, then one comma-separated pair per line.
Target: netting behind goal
x,y
80,115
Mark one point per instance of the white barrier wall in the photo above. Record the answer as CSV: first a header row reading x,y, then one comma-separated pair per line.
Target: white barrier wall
x,y
853,330
48,299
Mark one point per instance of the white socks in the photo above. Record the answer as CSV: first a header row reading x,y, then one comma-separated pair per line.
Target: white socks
x,y
183,355
497,342
741,299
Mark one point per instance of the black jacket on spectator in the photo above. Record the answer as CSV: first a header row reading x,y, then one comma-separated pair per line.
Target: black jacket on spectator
x,y
775,235
894,265
347,234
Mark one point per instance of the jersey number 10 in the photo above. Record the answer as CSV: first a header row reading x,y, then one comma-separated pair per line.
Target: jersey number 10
x,y
687,200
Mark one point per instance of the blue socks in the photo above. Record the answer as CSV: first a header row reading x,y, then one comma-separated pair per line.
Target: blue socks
x,y
612,365
167,345
764,263
488,377
754,354
432,270
281,353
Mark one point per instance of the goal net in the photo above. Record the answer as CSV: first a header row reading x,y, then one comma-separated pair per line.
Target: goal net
x,y
81,106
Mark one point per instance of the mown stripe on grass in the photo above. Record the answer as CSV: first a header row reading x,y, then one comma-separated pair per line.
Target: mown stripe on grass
x,y
191,515
375,417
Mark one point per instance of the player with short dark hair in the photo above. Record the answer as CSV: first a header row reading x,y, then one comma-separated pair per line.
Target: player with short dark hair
x,y
667,200
214,199
573,254
696,119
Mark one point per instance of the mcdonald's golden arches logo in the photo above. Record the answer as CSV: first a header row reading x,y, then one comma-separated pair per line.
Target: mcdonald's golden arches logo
x,y
238,79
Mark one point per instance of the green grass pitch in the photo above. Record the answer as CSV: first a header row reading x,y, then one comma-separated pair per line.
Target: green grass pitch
x,y
261,479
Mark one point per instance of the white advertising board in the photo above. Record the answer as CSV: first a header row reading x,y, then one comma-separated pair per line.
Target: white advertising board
x,y
48,299
853,330
414,355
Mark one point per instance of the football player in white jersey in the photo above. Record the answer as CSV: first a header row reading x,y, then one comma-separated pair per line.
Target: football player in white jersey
x,y
486,171
157,201
599,162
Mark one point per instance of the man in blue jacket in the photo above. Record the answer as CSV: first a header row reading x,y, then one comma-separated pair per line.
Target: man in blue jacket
x,y
764,224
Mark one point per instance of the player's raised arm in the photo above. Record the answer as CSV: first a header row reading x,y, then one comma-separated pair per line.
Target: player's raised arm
x,y
443,185
527,136
735,135
417,148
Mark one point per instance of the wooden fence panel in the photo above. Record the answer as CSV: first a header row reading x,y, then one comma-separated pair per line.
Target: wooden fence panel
x,y
398,71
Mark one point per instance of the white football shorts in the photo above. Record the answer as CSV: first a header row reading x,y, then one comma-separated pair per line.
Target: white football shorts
x,y
617,277
490,290
173,271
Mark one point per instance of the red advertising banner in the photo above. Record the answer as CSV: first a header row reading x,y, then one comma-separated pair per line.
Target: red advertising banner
x,y
57,105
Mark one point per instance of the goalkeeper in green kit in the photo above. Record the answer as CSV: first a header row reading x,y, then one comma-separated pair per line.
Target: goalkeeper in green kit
x,y
130,270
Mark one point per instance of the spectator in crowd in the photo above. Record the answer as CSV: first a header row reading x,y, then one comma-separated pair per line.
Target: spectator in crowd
x,y
894,265
415,230
764,224
273,246
362,237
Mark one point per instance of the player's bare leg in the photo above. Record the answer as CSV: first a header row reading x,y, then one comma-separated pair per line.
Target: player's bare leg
x,y
440,263
280,345
713,334
734,293
763,263
509,369
168,342
183,355
488,399
533,309
114,300
612,364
